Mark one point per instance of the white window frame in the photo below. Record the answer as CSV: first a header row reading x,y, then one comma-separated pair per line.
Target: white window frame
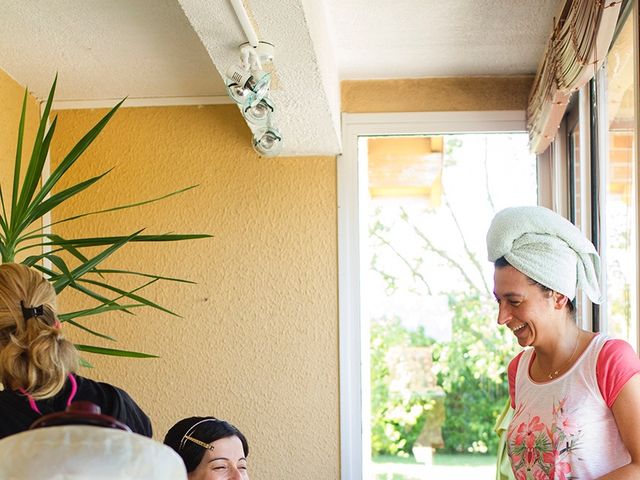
x,y
635,13
557,170
352,192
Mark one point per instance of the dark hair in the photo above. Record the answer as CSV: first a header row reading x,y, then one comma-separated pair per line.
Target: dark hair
x,y
502,262
208,430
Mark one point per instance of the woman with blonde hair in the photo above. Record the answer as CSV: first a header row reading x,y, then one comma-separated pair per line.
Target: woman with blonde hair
x,y
37,364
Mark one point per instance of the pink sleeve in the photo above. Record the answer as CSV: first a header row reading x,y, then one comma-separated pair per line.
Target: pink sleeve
x,y
511,374
617,363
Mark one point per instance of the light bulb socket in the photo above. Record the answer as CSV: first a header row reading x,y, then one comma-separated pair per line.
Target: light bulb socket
x,y
267,142
258,85
264,51
245,87
236,81
238,74
260,113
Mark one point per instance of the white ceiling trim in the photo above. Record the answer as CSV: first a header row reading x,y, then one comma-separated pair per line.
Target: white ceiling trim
x,y
142,102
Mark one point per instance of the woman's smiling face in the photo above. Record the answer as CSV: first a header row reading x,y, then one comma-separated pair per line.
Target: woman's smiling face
x,y
224,461
523,306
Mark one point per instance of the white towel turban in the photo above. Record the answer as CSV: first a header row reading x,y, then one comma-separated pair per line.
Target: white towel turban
x,y
547,248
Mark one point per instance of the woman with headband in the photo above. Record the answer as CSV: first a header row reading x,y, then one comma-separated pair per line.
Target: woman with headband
x,y
211,449
576,393
37,364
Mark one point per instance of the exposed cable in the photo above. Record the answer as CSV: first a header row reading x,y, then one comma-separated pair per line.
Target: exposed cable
x,y
245,23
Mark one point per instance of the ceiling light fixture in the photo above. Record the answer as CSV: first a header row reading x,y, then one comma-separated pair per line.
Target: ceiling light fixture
x,y
260,113
249,86
244,87
247,83
267,141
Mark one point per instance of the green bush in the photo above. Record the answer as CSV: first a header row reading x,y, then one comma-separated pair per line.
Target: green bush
x,y
396,419
471,369
472,372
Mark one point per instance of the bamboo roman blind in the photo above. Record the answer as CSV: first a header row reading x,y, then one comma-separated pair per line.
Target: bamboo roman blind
x,y
578,45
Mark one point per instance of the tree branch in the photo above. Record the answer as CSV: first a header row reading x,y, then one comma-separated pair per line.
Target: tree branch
x,y
414,272
443,254
470,254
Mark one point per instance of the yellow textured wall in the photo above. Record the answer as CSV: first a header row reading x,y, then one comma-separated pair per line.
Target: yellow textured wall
x,y
258,341
11,95
436,94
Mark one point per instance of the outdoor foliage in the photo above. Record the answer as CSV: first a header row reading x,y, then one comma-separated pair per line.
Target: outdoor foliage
x,y
433,254
73,263
471,369
472,372
397,419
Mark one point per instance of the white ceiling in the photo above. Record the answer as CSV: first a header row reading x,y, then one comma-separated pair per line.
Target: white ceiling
x,y
418,38
158,52
105,49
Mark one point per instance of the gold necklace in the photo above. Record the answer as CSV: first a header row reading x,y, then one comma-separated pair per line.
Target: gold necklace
x,y
555,373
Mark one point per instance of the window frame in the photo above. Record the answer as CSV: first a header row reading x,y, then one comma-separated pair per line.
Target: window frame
x,y
593,154
352,191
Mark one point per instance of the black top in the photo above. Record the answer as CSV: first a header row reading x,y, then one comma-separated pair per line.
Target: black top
x,y
16,414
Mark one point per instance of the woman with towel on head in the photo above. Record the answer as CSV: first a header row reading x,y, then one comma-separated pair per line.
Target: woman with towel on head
x,y
576,393
211,449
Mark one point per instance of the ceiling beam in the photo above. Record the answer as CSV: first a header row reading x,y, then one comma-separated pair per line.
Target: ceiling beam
x,y
305,86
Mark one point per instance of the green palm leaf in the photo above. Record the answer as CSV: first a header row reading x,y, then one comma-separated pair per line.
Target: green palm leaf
x,y
38,158
18,164
113,352
102,241
106,210
73,262
87,266
108,307
89,330
33,259
75,153
37,210
141,274
130,295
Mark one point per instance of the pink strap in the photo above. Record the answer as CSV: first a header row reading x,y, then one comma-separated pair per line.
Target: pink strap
x,y
74,389
32,402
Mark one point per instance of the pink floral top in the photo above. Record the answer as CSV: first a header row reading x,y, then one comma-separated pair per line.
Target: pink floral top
x,y
564,429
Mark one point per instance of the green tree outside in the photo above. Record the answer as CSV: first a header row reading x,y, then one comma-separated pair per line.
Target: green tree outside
x,y
470,368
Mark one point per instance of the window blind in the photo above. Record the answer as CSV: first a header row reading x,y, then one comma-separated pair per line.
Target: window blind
x,y
578,45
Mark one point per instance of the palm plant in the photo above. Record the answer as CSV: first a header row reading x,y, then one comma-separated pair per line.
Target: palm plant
x,y
72,262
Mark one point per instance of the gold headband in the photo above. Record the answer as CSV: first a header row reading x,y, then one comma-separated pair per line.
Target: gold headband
x,y
186,436
208,446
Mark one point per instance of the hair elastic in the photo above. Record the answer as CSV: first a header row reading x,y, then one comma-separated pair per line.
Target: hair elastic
x,y
34,312
31,312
